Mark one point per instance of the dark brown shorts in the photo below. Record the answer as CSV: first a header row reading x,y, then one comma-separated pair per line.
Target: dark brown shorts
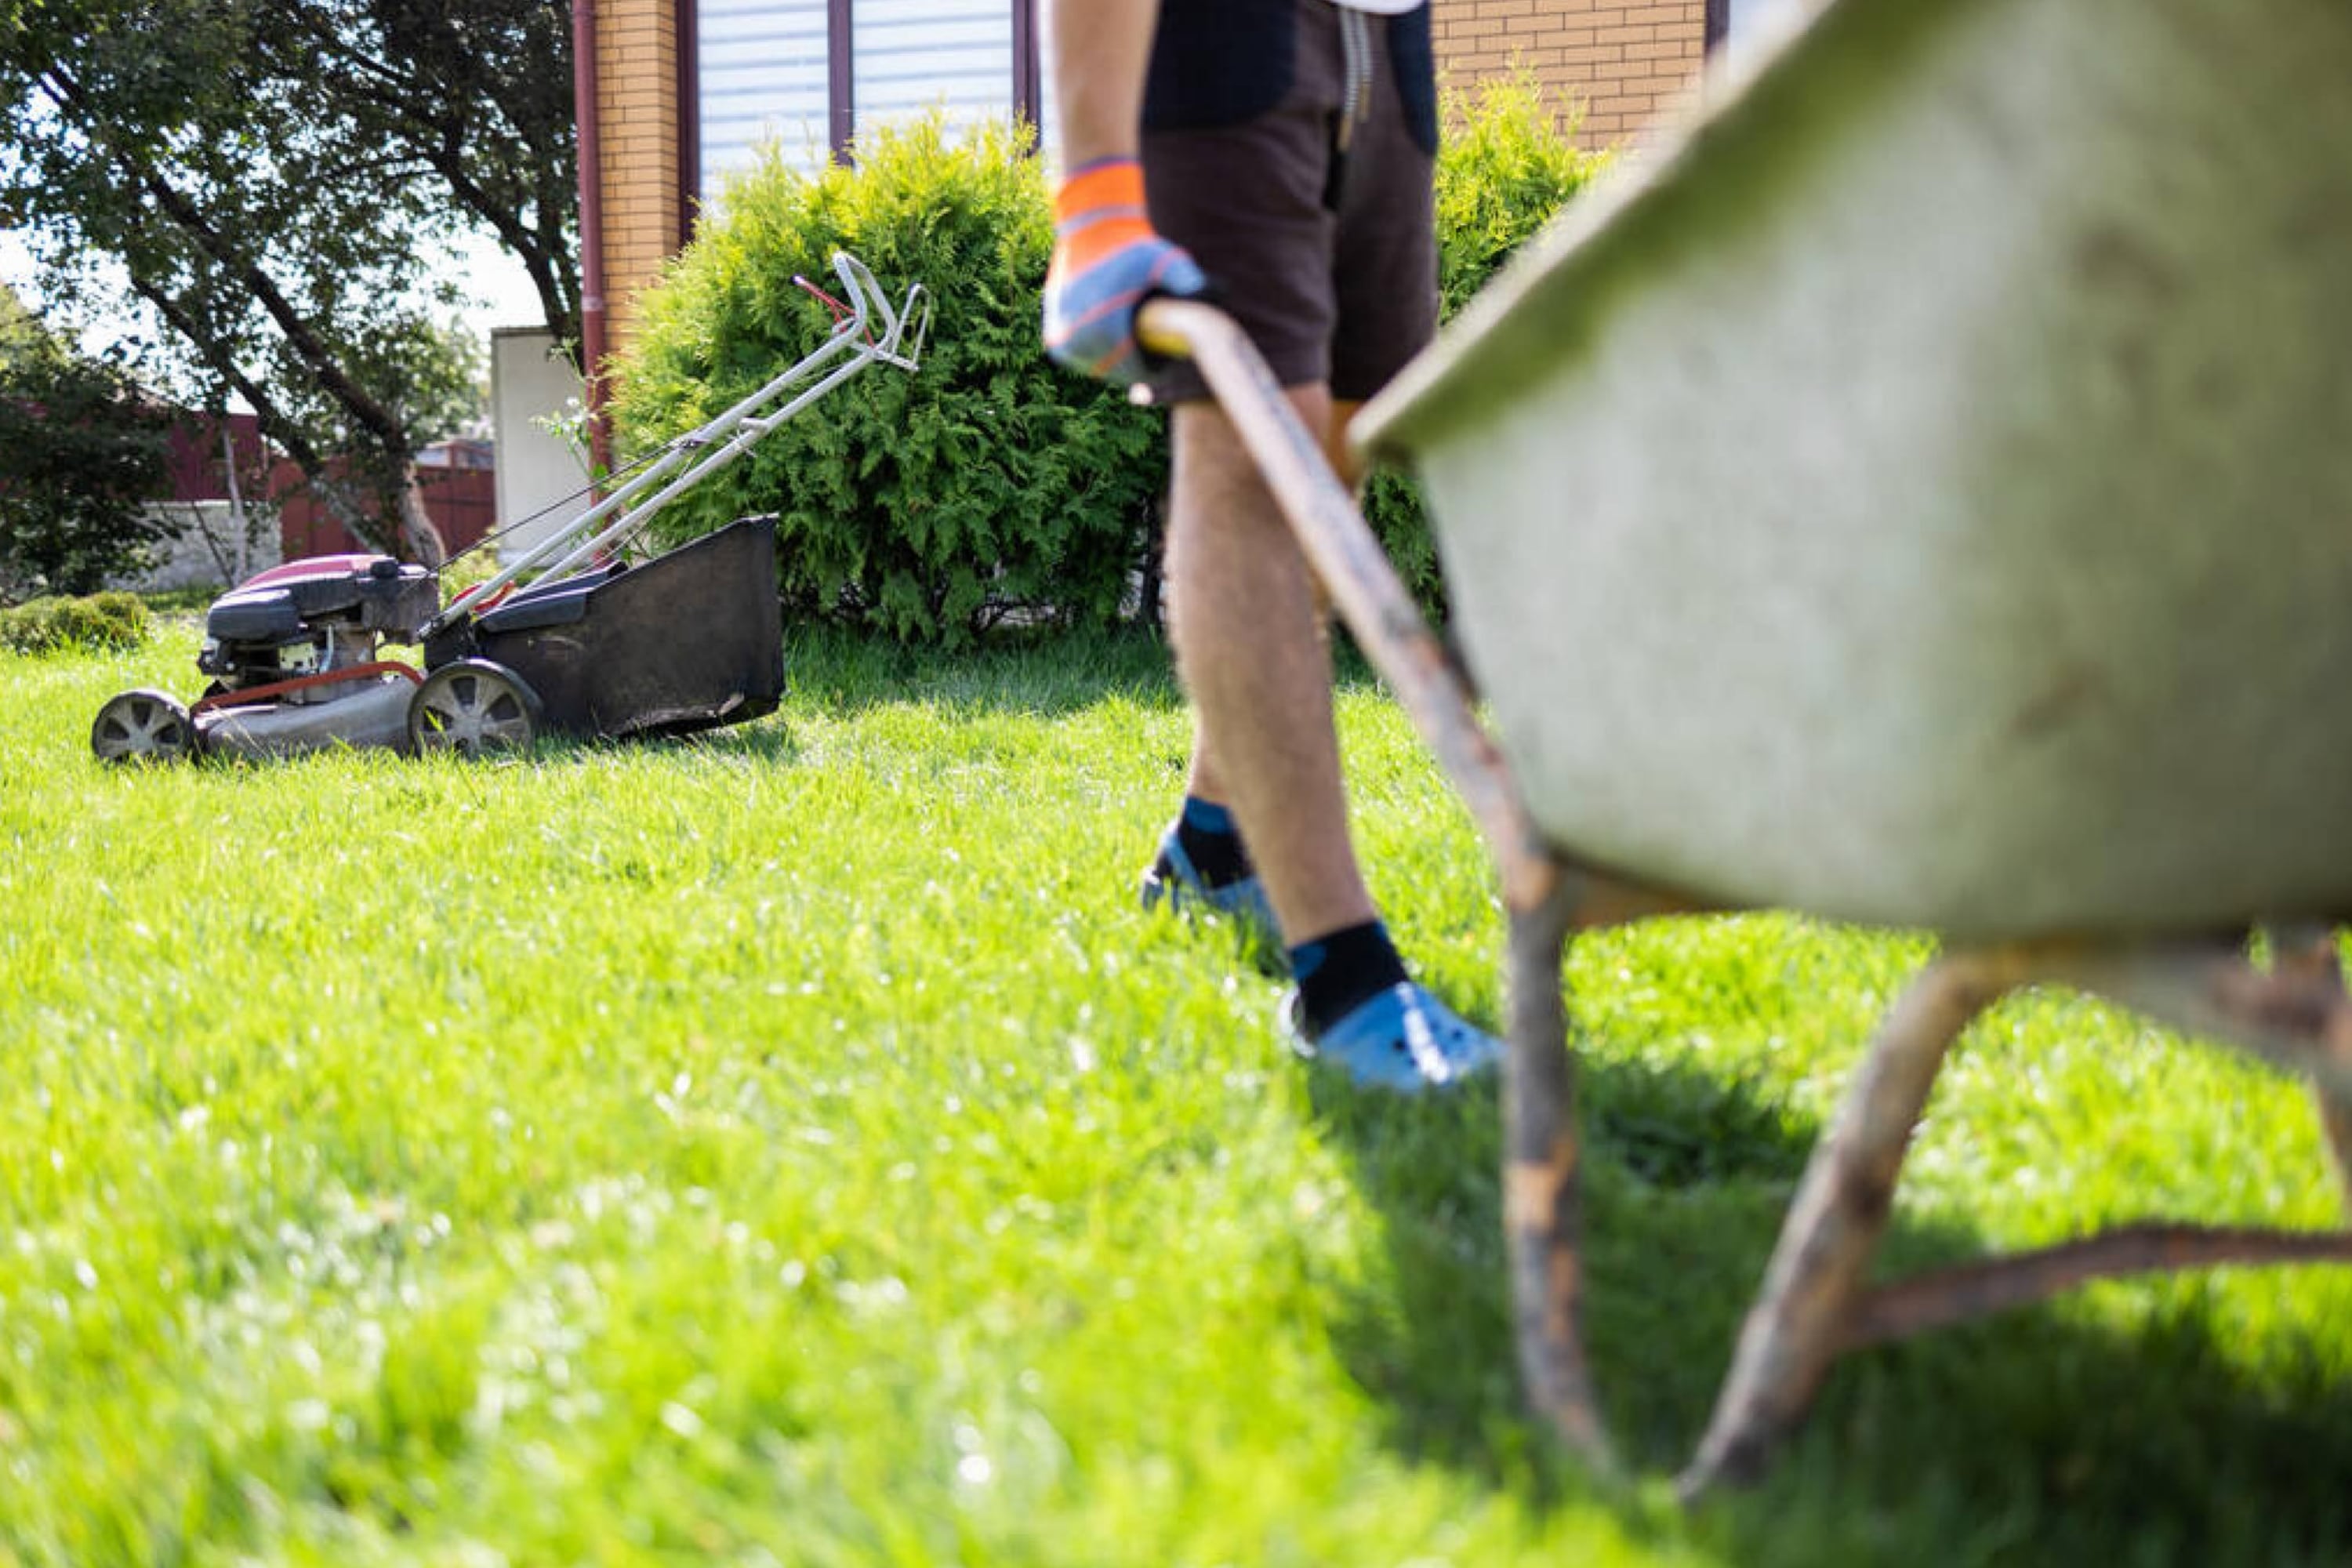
x,y
1316,229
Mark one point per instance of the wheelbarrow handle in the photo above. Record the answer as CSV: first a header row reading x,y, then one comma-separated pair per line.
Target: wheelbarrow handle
x,y
1340,549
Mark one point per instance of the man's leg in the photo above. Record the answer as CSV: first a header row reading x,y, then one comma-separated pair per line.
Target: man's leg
x,y
1247,625
1203,780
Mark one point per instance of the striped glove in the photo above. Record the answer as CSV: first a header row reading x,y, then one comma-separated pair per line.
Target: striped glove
x,y
1107,261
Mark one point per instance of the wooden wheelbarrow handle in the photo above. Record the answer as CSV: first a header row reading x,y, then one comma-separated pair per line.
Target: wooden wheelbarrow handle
x,y
1340,549
1542,1219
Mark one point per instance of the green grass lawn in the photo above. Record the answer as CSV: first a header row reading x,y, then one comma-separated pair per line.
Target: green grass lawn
x,y
796,1148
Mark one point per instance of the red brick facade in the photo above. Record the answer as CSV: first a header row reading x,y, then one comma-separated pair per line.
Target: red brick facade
x,y
638,124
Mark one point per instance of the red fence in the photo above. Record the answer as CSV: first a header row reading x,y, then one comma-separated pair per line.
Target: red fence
x,y
462,503
194,456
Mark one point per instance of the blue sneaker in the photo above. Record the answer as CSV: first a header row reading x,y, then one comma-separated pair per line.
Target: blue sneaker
x,y
1402,1038
1173,880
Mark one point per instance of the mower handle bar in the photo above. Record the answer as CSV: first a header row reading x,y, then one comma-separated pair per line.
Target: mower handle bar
x,y
870,330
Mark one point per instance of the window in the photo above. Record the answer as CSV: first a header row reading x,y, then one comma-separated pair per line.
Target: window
x,y
909,56
761,71
1741,27
768,70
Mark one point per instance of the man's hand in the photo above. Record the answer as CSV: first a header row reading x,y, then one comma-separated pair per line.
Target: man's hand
x,y
1107,261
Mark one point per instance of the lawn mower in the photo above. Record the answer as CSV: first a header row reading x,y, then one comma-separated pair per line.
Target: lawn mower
x,y
570,639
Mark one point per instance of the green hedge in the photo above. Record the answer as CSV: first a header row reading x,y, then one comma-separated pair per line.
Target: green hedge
x,y
102,622
990,485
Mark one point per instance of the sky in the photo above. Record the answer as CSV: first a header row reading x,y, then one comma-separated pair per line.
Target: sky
x,y
500,293
503,294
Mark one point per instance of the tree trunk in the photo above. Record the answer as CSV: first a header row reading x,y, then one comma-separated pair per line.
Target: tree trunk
x,y
416,530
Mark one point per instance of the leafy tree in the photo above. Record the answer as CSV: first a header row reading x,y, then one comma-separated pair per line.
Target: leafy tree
x,y
83,454
471,98
19,328
276,179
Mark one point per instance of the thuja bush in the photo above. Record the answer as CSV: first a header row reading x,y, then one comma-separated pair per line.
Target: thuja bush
x,y
1508,164
989,485
98,623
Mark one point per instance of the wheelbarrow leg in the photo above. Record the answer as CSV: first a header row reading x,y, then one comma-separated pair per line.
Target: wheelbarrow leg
x,y
1794,1329
2313,951
1542,1214
2335,1121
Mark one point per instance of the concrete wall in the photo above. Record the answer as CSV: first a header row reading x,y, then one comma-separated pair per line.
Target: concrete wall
x,y
208,553
540,474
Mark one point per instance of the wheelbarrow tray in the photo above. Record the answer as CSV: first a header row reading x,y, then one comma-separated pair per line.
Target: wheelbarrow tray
x,y
1924,495
689,641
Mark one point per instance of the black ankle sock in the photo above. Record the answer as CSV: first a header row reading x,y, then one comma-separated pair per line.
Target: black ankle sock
x,y
1212,843
1339,972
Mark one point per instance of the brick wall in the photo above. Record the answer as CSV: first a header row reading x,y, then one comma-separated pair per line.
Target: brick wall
x,y
638,111
1625,61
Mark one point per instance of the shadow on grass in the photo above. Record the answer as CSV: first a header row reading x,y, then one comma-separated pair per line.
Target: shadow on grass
x,y
1040,671
2022,1438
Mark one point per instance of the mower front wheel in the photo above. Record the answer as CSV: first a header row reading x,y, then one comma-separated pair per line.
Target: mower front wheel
x,y
142,727
473,707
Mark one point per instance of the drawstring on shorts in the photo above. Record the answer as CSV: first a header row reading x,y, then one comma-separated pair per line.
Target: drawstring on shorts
x,y
1355,94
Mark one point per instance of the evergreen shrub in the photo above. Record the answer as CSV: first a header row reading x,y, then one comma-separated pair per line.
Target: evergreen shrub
x,y
101,623
987,485
990,485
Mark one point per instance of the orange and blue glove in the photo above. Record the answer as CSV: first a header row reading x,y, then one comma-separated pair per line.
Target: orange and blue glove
x,y
1107,260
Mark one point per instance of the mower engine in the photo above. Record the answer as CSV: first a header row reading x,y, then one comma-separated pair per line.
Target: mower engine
x,y
293,654
314,617
294,659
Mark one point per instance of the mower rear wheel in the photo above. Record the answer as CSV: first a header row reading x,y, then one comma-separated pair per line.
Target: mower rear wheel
x,y
142,727
473,707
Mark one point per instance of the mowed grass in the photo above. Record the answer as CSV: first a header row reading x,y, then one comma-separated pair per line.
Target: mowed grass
x,y
795,1148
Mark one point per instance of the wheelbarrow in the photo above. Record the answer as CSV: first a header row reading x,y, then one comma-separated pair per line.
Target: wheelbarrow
x,y
1936,463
